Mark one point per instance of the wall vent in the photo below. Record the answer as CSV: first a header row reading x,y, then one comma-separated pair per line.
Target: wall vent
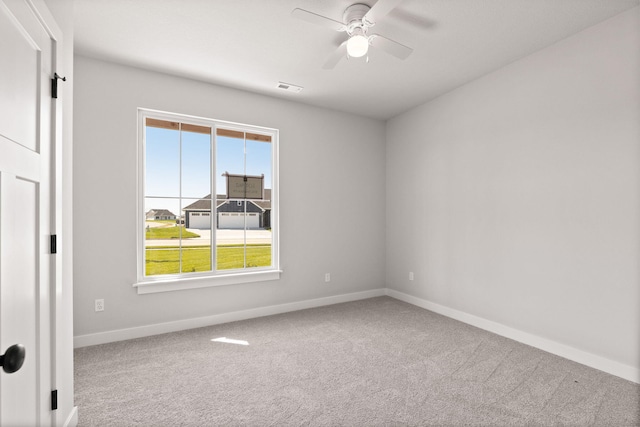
x,y
289,87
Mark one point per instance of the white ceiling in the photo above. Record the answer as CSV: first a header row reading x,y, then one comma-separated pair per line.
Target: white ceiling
x,y
253,44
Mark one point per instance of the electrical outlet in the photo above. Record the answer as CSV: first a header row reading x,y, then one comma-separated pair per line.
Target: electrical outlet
x,y
99,305
411,275
327,277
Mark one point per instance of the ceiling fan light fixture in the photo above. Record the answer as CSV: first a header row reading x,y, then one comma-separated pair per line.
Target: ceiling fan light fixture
x,y
357,46
357,19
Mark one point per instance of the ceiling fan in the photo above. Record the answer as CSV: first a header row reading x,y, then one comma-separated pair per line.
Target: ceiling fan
x,y
357,19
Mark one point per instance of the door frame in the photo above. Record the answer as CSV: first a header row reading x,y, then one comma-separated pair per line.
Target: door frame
x,y
48,22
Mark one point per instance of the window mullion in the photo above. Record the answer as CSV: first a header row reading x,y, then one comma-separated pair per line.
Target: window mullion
x,y
214,201
245,200
180,199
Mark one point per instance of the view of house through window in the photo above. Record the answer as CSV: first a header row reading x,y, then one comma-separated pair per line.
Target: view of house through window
x,y
207,198
243,199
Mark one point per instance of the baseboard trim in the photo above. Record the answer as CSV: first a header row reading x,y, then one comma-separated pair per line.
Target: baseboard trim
x,y
603,364
180,325
72,419
598,362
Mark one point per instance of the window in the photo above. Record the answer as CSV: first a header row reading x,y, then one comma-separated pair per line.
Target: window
x,y
195,166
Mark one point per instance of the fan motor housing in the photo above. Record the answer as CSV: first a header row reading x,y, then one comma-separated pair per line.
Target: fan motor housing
x,y
355,12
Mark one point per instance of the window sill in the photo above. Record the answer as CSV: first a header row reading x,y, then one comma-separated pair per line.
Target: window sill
x,y
181,283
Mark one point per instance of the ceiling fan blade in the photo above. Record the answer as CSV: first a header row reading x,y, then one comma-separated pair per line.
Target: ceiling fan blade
x,y
391,47
314,18
336,56
380,10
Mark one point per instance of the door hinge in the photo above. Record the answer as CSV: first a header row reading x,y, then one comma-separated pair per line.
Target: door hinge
x,y
54,245
54,84
54,400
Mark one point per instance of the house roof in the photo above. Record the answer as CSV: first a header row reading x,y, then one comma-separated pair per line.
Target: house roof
x,y
204,204
161,212
266,203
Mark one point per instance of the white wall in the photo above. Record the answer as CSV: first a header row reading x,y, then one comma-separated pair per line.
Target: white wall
x,y
327,159
515,198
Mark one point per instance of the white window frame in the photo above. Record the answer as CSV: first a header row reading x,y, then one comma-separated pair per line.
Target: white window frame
x,y
180,281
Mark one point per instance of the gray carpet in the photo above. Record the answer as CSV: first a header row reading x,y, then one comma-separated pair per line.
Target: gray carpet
x,y
366,363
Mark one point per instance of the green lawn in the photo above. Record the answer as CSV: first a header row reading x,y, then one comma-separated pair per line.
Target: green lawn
x,y
166,260
229,256
155,233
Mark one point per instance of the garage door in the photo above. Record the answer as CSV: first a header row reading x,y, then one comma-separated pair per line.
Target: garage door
x,y
236,220
200,220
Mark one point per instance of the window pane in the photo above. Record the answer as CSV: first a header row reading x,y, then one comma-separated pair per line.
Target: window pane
x,y
196,259
259,160
259,255
196,243
197,215
162,174
233,253
162,236
243,234
230,220
196,164
229,158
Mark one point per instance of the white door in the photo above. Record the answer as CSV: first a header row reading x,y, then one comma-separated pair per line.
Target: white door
x,y
200,220
26,52
237,220
253,220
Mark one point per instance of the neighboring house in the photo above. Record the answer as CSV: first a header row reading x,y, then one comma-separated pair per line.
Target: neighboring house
x,y
160,214
230,213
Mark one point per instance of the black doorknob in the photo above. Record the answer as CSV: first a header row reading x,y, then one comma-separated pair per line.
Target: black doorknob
x,y
13,358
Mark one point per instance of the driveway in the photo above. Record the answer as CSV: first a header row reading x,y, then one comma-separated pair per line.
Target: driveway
x,y
155,224
223,237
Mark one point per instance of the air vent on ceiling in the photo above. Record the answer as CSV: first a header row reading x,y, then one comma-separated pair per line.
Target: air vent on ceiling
x,y
289,87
